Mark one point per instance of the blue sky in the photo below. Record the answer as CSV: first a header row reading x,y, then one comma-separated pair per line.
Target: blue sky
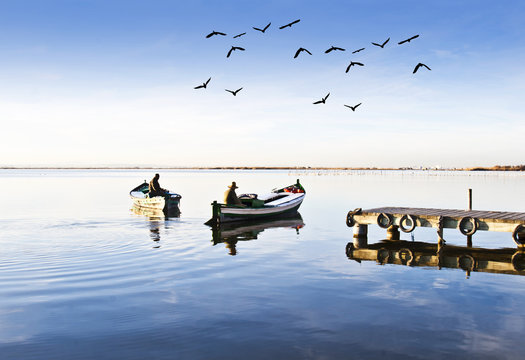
x,y
111,83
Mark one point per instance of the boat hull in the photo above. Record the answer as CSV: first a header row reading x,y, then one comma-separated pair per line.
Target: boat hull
x,y
236,214
227,213
157,203
167,203
155,213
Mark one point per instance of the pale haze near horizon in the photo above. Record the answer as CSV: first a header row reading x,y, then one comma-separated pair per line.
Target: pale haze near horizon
x,y
111,83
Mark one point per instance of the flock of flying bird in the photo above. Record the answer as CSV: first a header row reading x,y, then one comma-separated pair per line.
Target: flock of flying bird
x,y
300,50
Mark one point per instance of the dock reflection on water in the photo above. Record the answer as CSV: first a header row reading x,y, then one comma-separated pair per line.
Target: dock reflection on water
x,y
414,253
231,233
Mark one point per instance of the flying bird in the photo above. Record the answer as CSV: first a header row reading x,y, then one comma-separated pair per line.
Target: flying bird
x,y
239,35
408,40
381,45
323,100
263,30
353,107
215,33
299,51
233,49
352,63
334,48
418,66
358,50
290,24
233,92
204,84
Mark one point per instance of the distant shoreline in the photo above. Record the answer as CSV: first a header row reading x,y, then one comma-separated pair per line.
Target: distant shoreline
x,y
305,168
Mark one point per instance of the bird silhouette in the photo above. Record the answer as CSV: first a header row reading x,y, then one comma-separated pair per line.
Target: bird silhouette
x,y
334,48
323,100
204,84
233,49
290,24
234,92
381,45
239,35
353,107
215,33
408,40
352,63
358,50
299,51
263,30
418,66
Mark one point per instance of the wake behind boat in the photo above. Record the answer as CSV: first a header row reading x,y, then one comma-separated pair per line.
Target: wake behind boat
x,y
278,203
168,203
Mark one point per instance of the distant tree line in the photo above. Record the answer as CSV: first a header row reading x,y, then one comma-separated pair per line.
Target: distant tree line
x,y
500,168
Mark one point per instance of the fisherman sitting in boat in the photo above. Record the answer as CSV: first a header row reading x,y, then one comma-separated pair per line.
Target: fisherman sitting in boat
x,y
154,187
230,197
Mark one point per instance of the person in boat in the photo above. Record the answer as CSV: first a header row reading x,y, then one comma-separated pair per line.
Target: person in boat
x,y
230,197
154,187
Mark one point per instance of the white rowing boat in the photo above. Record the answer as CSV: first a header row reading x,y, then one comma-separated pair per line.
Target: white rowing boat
x,y
278,203
168,203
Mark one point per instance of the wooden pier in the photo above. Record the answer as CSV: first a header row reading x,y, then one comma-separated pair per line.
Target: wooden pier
x,y
467,221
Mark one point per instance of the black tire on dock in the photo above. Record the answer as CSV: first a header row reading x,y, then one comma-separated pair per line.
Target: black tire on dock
x,y
464,221
516,235
350,221
403,219
388,217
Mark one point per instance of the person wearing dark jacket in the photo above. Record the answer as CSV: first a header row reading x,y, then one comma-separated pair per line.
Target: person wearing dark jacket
x,y
154,187
230,197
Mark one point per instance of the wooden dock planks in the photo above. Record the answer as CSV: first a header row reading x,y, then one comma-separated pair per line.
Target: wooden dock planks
x,y
427,217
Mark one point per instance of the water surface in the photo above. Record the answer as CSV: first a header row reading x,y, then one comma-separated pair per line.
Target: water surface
x,y
82,276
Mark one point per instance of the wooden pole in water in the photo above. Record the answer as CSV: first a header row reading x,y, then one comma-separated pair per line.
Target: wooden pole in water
x,y
469,237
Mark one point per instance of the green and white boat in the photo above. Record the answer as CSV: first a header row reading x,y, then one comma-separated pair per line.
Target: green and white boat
x,y
169,203
278,203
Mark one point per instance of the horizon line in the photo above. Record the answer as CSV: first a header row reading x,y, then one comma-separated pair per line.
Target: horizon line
x,y
435,168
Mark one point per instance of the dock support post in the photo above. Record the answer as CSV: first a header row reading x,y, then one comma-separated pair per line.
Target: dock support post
x,y
441,240
469,241
360,236
392,233
360,230
469,237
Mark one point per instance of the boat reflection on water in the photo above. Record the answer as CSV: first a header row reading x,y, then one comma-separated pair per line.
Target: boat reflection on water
x,y
156,220
231,233
415,253
153,213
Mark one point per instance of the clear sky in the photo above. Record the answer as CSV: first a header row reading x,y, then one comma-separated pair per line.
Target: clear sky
x,y
102,82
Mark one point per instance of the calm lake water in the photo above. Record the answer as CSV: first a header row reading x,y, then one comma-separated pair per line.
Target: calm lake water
x,y
84,277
